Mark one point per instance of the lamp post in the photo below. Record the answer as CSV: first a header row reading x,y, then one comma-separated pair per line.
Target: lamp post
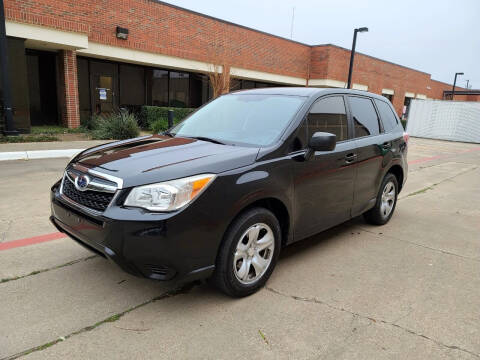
x,y
7,97
352,54
454,83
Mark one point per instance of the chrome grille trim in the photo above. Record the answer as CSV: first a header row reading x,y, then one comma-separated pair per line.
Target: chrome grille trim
x,y
92,186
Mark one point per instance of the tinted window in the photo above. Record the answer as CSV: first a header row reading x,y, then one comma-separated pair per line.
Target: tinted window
x,y
386,114
364,116
160,88
248,119
328,115
178,89
132,85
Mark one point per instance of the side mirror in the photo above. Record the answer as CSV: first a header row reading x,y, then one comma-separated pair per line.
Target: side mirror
x,y
322,141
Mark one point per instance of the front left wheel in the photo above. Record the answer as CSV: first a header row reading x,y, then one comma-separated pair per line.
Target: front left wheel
x,y
248,253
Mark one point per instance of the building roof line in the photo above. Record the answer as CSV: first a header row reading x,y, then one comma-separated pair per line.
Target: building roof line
x,y
286,39
373,57
227,22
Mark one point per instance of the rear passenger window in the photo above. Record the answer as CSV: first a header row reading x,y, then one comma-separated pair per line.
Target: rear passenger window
x,y
389,119
364,116
328,115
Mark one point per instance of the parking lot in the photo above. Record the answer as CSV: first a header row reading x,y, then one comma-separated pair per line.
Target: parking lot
x,y
409,289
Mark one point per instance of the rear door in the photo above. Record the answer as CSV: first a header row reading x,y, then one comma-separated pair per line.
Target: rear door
x,y
324,182
370,151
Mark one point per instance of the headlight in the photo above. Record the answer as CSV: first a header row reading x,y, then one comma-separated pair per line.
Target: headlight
x,y
168,195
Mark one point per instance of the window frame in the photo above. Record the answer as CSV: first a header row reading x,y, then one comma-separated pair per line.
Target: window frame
x,y
381,130
397,122
347,113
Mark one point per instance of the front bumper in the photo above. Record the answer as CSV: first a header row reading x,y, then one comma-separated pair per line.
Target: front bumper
x,y
169,247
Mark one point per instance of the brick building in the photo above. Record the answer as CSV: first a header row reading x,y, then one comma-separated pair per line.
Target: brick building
x,y
67,60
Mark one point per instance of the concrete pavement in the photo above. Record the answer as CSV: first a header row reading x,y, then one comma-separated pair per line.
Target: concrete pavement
x,y
409,289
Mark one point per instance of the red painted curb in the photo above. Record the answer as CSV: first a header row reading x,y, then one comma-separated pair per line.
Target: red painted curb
x,y
31,241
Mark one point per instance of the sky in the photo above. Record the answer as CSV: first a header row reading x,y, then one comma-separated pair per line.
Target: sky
x,y
439,37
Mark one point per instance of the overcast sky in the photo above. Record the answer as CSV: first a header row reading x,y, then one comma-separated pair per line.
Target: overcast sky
x,y
439,37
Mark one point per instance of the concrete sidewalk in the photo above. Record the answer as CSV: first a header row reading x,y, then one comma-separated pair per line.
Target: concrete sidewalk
x,y
44,150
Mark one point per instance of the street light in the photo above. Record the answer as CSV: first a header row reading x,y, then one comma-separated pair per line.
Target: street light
x,y
352,54
454,83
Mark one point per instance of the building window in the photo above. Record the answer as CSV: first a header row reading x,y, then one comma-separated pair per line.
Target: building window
x,y
132,85
198,90
179,84
159,88
388,96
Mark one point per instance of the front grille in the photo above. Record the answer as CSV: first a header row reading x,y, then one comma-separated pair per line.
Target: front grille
x,y
92,199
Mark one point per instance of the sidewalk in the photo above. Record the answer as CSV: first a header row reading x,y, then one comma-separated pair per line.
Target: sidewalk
x,y
42,150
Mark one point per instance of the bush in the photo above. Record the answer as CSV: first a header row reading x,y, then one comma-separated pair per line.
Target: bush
x,y
54,130
156,118
118,126
91,122
28,138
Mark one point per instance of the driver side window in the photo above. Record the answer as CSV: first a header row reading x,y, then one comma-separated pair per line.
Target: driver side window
x,y
328,115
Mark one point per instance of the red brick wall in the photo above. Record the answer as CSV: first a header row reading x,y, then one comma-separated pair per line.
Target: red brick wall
x,y
332,62
69,88
159,28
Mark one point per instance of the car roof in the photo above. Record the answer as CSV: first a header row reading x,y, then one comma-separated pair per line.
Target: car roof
x,y
305,91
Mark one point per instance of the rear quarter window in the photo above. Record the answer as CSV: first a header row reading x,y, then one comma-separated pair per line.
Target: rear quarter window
x,y
387,115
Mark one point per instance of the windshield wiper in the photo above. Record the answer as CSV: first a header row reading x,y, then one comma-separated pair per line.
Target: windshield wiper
x,y
204,138
167,133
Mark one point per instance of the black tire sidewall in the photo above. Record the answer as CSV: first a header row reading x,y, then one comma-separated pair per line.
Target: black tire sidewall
x,y
225,262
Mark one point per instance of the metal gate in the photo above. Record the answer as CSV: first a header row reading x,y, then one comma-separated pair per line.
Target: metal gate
x,y
445,120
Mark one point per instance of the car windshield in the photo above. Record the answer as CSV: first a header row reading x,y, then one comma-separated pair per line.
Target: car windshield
x,y
241,119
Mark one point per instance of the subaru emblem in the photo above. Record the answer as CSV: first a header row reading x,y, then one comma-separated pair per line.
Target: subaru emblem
x,y
81,182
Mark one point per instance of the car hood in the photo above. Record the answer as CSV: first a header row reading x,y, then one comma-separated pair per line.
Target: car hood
x,y
158,158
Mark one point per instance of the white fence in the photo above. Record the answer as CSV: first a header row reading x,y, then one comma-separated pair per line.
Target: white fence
x,y
445,120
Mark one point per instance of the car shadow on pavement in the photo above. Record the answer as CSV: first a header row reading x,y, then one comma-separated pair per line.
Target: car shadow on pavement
x,y
323,239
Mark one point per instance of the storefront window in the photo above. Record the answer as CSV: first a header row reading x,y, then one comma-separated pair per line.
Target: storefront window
x,y
196,94
160,88
179,84
132,85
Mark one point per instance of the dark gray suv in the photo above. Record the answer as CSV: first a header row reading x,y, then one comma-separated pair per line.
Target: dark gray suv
x,y
222,192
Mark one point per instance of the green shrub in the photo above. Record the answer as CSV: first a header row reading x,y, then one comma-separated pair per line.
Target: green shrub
x,y
119,126
54,129
91,122
27,138
156,118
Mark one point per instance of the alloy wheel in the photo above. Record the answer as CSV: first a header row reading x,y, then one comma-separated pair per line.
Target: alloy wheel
x,y
388,199
254,253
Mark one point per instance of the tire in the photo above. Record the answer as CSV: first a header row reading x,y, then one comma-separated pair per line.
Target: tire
x,y
385,205
240,270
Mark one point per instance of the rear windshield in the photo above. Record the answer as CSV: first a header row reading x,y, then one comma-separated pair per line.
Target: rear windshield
x,y
242,119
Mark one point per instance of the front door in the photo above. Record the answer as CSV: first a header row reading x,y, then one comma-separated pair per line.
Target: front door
x,y
324,183
104,86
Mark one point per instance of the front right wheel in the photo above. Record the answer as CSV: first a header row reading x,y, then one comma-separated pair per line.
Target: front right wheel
x,y
386,201
248,253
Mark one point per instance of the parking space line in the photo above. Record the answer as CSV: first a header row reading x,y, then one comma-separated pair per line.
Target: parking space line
x,y
31,241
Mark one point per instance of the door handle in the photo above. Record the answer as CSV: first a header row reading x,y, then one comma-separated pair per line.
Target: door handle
x,y
387,145
349,158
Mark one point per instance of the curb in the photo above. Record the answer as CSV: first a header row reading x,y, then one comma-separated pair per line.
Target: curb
x,y
38,154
